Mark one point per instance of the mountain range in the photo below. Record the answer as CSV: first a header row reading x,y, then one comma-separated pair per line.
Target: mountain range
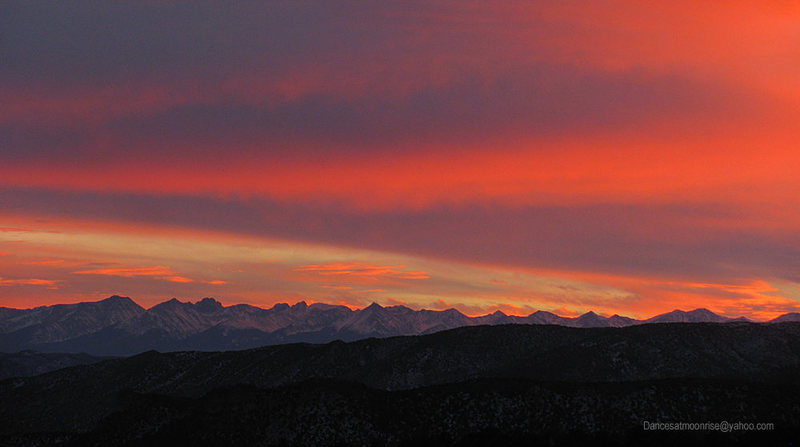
x,y
117,326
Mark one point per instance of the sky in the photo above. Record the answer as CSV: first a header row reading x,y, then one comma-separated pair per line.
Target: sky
x,y
621,157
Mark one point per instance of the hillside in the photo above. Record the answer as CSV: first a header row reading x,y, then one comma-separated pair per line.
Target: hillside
x,y
75,399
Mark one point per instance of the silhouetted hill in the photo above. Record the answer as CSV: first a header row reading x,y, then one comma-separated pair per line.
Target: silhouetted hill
x,y
794,316
695,316
76,398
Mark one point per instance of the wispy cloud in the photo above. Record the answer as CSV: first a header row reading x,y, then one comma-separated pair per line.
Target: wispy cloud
x,y
25,230
361,269
130,272
159,272
46,262
49,283
216,282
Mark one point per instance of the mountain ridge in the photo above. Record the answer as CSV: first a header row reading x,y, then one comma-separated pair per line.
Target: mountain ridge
x,y
118,326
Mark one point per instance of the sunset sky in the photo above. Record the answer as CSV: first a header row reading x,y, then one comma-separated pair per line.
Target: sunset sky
x,y
621,157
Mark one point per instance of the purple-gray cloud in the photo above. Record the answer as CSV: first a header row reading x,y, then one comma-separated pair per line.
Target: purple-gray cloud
x,y
666,240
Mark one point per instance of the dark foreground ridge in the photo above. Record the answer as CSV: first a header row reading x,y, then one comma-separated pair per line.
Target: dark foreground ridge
x,y
480,412
32,363
659,371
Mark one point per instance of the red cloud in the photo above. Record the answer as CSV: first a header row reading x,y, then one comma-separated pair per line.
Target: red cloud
x,y
130,272
159,272
360,269
52,284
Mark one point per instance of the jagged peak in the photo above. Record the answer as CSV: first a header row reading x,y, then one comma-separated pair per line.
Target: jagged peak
x,y
326,306
400,308
169,304
374,306
300,305
208,305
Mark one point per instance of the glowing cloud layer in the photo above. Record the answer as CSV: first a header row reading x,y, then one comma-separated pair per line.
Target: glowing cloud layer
x,y
610,156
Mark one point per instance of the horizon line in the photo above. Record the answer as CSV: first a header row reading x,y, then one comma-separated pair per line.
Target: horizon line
x,y
356,309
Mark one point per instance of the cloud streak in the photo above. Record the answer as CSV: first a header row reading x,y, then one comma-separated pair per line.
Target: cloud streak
x,y
29,282
159,272
360,269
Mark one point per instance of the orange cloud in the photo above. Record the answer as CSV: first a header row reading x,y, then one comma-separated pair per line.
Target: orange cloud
x,y
25,230
579,170
46,262
565,311
360,269
130,272
29,282
160,272
179,279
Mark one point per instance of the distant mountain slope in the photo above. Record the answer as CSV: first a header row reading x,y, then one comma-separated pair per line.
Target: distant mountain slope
x,y
22,329
117,326
32,363
695,316
794,316
76,398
